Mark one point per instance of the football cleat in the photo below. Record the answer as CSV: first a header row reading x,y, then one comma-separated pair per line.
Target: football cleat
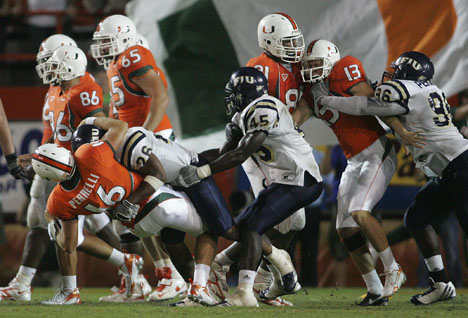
x,y
217,283
64,297
438,291
287,272
168,287
263,282
186,302
201,295
373,300
393,281
131,269
242,297
275,287
15,291
140,290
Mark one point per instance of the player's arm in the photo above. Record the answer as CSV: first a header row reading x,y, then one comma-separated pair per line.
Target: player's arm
x,y
153,86
302,112
115,129
8,147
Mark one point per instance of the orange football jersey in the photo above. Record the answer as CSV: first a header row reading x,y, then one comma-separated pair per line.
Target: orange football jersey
x,y
354,133
47,132
130,100
282,83
103,182
67,109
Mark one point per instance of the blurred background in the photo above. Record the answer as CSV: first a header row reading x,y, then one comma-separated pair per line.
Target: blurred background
x,y
198,43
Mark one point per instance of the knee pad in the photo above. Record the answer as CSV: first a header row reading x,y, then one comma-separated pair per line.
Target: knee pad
x,y
35,215
96,222
355,241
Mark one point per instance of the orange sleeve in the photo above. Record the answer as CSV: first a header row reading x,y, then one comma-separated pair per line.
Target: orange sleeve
x,y
346,73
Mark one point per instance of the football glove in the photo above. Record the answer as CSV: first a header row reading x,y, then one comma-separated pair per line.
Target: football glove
x,y
16,171
190,175
319,90
125,211
53,227
233,132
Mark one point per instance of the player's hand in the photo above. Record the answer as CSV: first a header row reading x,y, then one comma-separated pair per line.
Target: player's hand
x,y
126,211
233,132
53,227
188,176
16,171
411,138
319,90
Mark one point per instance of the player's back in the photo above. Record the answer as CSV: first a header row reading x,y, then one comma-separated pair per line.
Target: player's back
x,y
354,133
428,113
284,80
103,182
67,109
139,143
285,155
129,99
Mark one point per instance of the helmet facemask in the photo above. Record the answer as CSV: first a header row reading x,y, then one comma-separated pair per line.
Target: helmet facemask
x,y
290,49
315,69
105,49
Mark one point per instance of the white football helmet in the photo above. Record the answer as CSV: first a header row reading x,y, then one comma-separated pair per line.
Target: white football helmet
x,y
66,63
53,162
49,45
142,41
319,60
279,34
113,35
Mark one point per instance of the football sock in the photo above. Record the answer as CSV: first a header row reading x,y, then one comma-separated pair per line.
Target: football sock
x,y
116,258
373,283
201,273
25,275
246,279
436,268
69,282
386,256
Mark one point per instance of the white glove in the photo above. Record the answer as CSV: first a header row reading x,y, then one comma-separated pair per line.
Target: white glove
x,y
126,211
190,175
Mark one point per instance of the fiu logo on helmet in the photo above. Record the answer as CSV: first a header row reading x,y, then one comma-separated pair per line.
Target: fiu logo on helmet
x,y
410,61
241,79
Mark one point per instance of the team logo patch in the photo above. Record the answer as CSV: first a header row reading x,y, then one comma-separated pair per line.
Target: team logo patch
x,y
284,76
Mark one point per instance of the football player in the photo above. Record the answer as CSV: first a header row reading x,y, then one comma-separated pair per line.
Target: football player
x,y
37,238
371,163
139,97
283,46
266,132
422,107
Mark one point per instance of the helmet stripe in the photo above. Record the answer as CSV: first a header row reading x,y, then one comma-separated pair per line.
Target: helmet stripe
x,y
289,18
311,45
52,162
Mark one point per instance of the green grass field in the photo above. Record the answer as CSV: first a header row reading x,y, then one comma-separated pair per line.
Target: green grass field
x,y
323,302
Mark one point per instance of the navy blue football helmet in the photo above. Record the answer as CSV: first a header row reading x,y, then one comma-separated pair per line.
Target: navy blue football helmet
x,y
411,65
245,85
86,134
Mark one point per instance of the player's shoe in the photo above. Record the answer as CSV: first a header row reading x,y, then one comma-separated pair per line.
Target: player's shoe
x,y
242,297
201,295
393,281
217,283
168,287
277,301
131,269
438,291
186,302
15,291
275,287
64,297
288,273
373,300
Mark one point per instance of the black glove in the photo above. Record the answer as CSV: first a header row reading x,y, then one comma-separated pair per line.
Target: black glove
x,y
125,211
233,132
16,171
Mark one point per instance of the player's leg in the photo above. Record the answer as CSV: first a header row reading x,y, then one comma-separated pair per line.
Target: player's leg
x,y
35,245
430,205
100,225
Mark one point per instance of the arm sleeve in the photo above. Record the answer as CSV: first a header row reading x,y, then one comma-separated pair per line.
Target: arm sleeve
x,y
362,105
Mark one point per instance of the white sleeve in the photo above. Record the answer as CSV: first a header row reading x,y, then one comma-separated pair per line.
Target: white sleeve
x,y
263,116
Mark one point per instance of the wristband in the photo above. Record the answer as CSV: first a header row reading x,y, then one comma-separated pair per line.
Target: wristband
x,y
11,157
204,171
90,120
154,182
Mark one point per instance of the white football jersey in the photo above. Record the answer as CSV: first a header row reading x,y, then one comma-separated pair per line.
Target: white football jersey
x,y
428,112
139,143
285,155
